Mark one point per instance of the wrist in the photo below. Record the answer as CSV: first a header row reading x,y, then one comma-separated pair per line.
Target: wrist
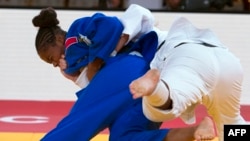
x,y
122,42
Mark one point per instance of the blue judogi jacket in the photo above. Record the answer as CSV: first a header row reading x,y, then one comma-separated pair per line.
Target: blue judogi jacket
x,y
96,37
89,38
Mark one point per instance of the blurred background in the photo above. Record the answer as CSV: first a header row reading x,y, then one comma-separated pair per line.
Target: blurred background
x,y
162,5
33,89
24,76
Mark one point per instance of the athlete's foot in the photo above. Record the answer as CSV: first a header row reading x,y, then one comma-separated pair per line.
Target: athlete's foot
x,y
205,130
145,85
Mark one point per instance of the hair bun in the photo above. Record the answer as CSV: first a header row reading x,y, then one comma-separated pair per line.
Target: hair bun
x,y
46,18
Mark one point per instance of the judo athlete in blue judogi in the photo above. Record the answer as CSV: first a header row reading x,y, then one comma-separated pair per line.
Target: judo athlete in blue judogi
x,y
105,101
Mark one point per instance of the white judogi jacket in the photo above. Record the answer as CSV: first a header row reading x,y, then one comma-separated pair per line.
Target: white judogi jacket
x,y
183,32
197,68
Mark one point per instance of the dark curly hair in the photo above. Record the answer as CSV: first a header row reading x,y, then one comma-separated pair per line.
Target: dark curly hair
x,y
48,25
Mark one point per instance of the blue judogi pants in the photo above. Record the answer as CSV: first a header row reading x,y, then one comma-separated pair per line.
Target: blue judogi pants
x,y
107,103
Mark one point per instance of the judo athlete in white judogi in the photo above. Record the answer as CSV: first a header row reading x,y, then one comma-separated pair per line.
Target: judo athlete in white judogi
x,y
191,67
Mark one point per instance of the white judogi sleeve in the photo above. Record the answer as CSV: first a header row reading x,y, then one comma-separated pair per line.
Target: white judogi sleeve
x,y
137,21
82,80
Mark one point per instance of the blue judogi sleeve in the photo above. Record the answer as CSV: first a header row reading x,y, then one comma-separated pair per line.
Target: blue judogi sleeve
x,y
89,38
107,103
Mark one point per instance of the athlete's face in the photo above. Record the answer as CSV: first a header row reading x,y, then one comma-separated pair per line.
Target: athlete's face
x,y
53,52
